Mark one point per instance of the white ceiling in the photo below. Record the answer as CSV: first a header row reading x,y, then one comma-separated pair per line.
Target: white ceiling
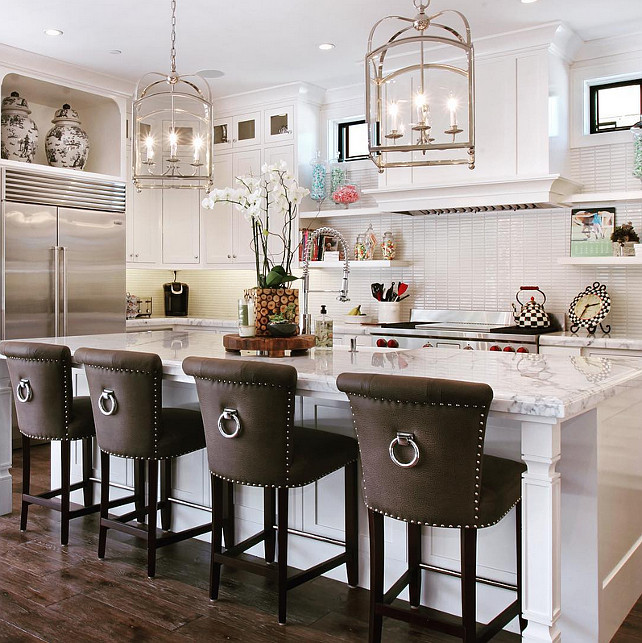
x,y
260,43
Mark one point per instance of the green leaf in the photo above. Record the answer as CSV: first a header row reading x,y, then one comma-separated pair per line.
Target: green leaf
x,y
278,276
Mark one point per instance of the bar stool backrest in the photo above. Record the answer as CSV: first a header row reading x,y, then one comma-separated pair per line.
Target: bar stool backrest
x,y
421,442
259,399
41,382
126,400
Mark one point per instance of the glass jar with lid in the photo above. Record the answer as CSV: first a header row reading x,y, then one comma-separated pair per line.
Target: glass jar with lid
x,y
637,149
388,246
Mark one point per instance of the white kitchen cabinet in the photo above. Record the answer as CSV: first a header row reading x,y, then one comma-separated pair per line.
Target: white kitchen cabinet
x,y
181,226
278,125
247,130
227,235
144,222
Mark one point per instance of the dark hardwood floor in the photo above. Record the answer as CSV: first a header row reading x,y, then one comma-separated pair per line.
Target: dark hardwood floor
x,y
54,593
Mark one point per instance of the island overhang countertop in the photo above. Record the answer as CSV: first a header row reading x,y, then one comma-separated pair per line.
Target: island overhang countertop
x,y
527,384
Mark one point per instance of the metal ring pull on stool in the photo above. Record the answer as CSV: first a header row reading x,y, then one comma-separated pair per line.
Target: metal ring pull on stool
x,y
229,414
23,390
404,440
107,394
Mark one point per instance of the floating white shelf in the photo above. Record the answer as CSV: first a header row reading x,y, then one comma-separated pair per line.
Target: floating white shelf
x,y
338,212
375,263
600,261
604,197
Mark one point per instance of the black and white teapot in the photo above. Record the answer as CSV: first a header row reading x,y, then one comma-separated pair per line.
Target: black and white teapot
x,y
531,313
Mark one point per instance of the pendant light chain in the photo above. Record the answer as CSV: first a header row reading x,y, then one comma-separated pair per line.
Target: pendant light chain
x,y
172,55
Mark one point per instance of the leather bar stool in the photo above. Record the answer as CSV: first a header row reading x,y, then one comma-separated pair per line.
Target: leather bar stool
x,y
421,442
47,410
248,413
126,396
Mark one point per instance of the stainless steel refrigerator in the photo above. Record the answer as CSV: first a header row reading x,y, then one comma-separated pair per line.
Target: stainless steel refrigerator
x,y
63,255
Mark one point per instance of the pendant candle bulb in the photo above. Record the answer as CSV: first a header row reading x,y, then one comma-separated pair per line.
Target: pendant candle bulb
x,y
429,61
175,112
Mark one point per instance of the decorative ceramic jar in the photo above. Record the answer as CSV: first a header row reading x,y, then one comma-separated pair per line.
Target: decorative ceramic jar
x,y
67,145
19,132
388,246
271,301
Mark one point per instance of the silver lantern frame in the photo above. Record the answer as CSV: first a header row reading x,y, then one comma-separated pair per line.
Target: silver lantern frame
x,y
428,32
178,101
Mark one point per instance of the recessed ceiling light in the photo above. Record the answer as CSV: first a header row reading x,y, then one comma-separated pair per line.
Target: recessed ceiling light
x,y
115,51
528,1
53,32
210,73
325,46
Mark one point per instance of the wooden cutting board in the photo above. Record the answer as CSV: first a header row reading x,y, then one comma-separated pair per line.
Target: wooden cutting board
x,y
273,346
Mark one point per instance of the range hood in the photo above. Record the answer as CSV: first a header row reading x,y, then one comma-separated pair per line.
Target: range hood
x,y
521,133
550,191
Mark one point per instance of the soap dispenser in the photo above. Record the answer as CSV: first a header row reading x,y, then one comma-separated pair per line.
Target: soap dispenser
x,y
323,330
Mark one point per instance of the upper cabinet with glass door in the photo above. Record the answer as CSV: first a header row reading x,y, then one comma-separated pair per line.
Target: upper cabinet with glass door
x,y
237,132
278,125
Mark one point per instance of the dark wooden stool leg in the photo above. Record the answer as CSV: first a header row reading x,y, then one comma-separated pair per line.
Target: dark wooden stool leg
x,y
139,489
152,510
469,583
518,543
375,529
165,490
282,562
269,520
228,515
65,483
414,561
87,460
217,529
352,524
26,480
104,502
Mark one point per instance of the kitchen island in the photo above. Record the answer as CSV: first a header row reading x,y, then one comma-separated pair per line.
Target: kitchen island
x,y
576,427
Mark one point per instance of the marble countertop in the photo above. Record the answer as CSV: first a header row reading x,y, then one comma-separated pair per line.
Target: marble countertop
x,y
530,384
228,324
581,339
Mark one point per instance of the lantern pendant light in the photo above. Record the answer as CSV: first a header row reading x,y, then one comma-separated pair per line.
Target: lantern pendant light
x,y
420,90
172,128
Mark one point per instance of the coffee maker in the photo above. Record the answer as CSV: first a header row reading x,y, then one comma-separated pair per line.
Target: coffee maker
x,y
176,298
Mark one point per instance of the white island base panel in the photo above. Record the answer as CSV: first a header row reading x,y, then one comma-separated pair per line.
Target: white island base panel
x,y
581,537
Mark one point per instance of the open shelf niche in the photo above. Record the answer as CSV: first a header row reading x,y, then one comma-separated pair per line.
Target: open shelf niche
x,y
100,117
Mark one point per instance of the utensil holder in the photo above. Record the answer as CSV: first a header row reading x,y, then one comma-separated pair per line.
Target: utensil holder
x,y
389,312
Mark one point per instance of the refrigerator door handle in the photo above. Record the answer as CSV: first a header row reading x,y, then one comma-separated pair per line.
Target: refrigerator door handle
x,y
65,306
56,250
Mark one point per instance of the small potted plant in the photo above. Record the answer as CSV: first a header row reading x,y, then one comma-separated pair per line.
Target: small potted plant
x,y
283,324
624,238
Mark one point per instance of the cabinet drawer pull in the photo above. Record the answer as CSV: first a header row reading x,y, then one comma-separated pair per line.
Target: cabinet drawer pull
x,y
233,256
229,256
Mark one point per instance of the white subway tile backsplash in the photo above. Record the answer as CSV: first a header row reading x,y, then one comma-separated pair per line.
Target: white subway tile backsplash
x,y
475,261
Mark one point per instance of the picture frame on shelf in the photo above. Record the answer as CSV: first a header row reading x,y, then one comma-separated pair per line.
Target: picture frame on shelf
x,y
591,230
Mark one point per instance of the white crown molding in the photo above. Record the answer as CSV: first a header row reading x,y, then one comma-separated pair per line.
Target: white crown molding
x,y
59,72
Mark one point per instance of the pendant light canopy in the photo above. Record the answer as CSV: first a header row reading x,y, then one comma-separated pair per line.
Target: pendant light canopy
x,y
172,137
420,92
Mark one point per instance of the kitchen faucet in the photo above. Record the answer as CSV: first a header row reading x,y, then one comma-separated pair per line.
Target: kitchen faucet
x,y
306,321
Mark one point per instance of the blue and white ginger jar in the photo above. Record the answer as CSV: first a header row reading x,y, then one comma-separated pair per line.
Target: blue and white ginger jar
x,y
19,133
67,145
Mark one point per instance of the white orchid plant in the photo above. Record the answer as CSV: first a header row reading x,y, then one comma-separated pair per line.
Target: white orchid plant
x,y
269,203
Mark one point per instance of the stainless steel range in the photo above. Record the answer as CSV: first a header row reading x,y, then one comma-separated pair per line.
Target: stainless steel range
x,y
461,329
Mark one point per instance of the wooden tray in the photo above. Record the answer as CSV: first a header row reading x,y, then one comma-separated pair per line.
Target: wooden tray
x,y
272,346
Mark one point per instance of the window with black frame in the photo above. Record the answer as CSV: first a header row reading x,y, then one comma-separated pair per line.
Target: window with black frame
x,y
615,106
353,140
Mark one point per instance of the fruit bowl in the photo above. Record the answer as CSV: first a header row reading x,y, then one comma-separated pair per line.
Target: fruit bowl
x,y
357,319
